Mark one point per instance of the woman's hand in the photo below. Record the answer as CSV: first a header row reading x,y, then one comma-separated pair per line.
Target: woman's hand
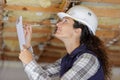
x,y
25,56
28,35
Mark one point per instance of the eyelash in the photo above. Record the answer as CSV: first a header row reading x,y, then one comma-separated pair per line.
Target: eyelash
x,y
64,20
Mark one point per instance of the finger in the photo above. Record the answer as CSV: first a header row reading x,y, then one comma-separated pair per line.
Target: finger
x,y
25,32
31,29
28,29
24,26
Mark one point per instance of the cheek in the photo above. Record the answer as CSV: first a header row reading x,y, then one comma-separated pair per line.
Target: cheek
x,y
69,32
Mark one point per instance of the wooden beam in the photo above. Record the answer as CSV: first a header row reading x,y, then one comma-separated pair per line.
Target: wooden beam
x,y
46,52
44,22
41,39
10,58
115,48
113,52
1,38
102,1
114,57
109,27
51,54
47,59
109,21
0,17
55,40
1,42
64,6
106,33
1,22
35,30
51,9
1,27
105,12
55,49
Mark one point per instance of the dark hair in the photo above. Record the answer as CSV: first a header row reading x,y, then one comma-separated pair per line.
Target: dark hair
x,y
94,44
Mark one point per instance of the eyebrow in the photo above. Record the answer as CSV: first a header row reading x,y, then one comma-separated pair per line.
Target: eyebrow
x,y
67,17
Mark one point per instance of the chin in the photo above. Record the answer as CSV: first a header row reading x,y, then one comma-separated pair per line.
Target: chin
x,y
58,36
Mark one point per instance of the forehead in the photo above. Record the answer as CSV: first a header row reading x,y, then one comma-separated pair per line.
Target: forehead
x,y
68,18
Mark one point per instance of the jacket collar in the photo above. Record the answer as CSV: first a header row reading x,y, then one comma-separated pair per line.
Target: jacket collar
x,y
76,51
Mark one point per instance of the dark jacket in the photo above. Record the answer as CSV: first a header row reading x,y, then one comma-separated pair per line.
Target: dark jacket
x,y
71,58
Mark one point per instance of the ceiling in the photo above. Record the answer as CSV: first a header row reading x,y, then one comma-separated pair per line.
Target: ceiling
x,y
41,14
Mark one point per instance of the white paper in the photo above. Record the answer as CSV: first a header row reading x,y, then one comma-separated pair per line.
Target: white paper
x,y
20,32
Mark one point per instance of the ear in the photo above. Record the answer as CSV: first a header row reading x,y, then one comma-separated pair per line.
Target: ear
x,y
78,30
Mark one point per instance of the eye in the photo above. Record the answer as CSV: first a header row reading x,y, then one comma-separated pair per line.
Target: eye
x,y
65,21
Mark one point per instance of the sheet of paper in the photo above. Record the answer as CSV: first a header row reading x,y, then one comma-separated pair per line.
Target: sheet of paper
x,y
20,32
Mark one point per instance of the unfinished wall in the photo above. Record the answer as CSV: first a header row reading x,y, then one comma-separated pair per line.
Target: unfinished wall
x,y
108,12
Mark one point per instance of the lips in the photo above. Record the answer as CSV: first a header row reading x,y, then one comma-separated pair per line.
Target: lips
x,y
57,30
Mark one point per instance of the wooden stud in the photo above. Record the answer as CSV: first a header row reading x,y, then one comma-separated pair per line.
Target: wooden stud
x,y
102,1
105,12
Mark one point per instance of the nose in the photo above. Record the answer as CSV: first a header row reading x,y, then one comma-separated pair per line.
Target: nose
x,y
59,23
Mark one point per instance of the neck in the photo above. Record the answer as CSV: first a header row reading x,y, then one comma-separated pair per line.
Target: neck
x,y
71,45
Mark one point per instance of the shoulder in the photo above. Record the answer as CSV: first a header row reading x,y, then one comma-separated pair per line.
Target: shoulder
x,y
87,58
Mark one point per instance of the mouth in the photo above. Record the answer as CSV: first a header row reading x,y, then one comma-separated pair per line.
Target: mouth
x,y
57,30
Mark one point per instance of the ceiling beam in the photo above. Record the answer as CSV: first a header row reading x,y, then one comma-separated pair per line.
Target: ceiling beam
x,y
107,33
43,22
102,1
65,4
51,9
111,27
35,30
54,8
105,12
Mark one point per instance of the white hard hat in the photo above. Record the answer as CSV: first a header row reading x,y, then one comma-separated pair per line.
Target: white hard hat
x,y
82,15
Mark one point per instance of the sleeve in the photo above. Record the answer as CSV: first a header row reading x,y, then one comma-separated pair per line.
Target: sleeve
x,y
38,72
83,68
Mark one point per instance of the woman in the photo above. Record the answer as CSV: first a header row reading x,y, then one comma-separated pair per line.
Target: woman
x,y
86,58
